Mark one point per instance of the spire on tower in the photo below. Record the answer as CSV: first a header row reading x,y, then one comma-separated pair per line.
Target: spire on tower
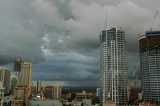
x,y
106,23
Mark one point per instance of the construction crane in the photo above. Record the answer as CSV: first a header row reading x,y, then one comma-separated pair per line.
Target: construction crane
x,y
152,26
153,22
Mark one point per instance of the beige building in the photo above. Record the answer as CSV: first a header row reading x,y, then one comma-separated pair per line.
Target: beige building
x,y
147,104
25,74
1,94
109,103
52,92
22,90
21,96
5,77
84,95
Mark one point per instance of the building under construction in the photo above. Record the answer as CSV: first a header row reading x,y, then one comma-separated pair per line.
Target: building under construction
x,y
17,65
149,45
22,90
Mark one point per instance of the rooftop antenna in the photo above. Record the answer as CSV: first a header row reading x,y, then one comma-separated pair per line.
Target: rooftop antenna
x,y
106,22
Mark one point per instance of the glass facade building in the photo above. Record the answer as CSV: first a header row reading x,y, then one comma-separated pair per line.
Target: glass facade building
x,y
149,45
113,66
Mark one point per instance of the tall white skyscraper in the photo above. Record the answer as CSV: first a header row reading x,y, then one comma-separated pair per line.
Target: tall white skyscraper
x,y
113,66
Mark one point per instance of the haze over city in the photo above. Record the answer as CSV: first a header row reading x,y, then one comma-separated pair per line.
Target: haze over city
x,y
61,37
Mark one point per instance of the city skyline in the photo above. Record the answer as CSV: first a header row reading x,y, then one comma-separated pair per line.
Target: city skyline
x,y
60,37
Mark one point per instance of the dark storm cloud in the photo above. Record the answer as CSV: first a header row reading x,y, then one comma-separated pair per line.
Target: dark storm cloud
x,y
70,71
85,19
19,31
63,35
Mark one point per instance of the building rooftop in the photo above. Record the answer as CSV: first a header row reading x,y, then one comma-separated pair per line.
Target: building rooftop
x,y
44,103
152,33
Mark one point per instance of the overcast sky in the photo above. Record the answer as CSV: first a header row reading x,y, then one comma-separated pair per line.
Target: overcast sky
x,y
61,37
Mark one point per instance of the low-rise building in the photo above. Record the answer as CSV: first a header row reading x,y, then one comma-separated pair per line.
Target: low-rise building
x,y
147,104
84,95
42,102
52,92
109,103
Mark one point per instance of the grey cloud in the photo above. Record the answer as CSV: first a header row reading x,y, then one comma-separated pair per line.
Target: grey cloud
x,y
89,20
19,31
65,71
68,31
89,17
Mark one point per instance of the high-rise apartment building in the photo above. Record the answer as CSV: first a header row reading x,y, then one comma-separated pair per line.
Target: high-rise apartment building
x,y
13,83
5,77
22,90
149,47
57,92
113,66
38,86
1,94
25,74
